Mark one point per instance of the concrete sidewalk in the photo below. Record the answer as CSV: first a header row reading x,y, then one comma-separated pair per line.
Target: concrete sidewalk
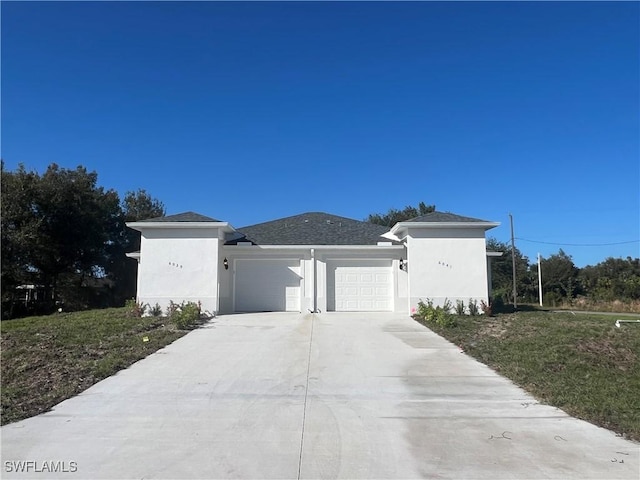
x,y
314,396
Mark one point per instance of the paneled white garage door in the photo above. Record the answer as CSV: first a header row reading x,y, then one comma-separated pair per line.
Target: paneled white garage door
x,y
359,286
267,285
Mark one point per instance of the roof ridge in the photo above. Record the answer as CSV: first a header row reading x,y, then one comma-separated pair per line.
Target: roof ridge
x,y
314,228
301,215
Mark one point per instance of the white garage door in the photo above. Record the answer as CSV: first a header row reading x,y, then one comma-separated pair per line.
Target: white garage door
x,y
267,285
359,286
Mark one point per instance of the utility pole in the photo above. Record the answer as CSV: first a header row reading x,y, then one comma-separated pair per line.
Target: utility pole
x,y
539,279
513,264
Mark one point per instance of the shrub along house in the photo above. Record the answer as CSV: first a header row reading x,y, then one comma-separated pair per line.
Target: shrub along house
x,y
312,262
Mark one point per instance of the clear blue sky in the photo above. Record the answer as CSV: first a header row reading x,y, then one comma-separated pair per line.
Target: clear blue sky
x,y
249,112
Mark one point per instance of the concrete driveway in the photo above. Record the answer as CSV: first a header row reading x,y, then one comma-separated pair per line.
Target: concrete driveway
x,y
311,396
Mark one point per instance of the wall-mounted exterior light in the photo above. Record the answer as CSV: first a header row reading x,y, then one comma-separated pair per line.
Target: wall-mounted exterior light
x,y
225,263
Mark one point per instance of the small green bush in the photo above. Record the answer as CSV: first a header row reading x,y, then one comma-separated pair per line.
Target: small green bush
x,y
171,309
460,309
447,306
426,310
135,309
156,310
439,315
473,307
185,315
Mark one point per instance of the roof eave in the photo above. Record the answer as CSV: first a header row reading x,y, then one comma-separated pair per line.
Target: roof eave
x,y
400,226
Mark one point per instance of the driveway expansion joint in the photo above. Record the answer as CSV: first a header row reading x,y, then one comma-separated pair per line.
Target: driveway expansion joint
x,y
306,393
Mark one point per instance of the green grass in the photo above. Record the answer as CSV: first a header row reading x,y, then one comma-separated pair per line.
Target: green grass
x,y
48,359
580,363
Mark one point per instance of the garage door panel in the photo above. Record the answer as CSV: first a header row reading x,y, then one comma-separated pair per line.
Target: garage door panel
x,y
359,285
382,292
267,285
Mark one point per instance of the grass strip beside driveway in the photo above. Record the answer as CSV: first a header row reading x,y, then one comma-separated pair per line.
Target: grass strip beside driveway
x,y
580,363
48,359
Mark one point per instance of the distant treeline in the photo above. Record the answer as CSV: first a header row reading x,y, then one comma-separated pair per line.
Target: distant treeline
x,y
612,280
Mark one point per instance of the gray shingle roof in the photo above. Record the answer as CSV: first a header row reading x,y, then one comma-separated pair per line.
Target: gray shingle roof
x,y
182,217
444,217
313,228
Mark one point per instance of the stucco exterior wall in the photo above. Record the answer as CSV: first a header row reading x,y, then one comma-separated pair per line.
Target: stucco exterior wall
x,y
179,265
447,263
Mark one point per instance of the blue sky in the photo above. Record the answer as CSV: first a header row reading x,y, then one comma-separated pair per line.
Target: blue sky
x,y
248,112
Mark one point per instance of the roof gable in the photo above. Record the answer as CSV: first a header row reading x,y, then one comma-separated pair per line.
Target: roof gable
x,y
182,217
313,228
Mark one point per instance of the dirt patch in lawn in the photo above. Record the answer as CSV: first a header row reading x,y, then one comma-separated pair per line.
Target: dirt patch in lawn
x,y
606,350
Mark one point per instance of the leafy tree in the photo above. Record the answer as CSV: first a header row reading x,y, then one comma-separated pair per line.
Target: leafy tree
x,y
78,220
19,228
140,205
612,279
394,216
502,273
62,231
135,206
559,277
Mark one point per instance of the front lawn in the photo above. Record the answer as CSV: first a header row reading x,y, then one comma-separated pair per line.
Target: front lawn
x,y
580,363
48,359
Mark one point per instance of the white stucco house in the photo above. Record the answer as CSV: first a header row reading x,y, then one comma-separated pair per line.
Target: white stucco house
x,y
312,262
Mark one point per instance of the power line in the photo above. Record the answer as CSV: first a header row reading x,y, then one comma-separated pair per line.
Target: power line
x,y
578,244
